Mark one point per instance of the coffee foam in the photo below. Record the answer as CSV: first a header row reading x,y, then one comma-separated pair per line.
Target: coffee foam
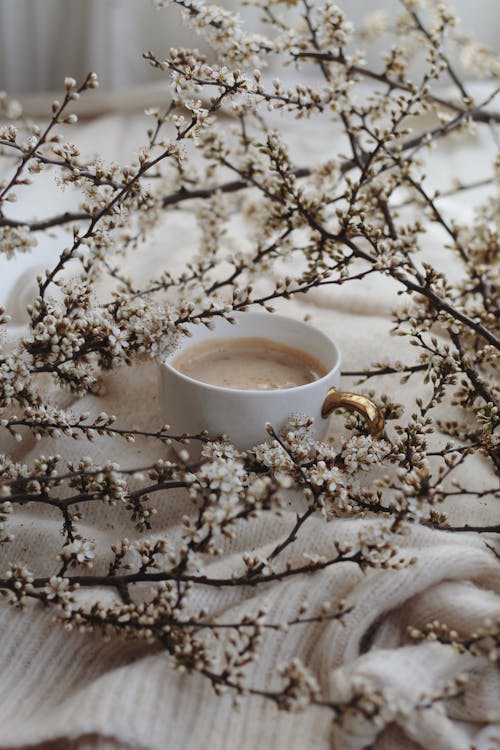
x,y
248,363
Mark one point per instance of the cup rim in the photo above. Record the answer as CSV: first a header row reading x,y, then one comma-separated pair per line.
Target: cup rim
x,y
164,361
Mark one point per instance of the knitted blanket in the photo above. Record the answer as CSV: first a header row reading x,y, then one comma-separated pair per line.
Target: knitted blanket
x,y
77,691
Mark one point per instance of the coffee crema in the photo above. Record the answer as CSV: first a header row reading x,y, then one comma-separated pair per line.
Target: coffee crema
x,y
248,363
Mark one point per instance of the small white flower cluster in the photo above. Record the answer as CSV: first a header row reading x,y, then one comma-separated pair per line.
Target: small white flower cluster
x,y
224,31
16,240
329,478
59,588
367,713
76,336
15,378
79,551
363,452
257,563
20,580
334,30
221,449
376,544
273,455
298,445
221,482
300,687
260,489
331,482
105,482
46,419
415,497
148,551
392,255
484,640
297,436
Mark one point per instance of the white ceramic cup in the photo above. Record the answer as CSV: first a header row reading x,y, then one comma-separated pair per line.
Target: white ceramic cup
x,y
190,406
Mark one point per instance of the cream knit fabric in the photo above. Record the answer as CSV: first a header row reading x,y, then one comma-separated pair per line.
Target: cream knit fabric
x,y
75,691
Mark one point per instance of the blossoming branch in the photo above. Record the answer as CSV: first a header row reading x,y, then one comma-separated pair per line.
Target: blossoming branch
x,y
217,147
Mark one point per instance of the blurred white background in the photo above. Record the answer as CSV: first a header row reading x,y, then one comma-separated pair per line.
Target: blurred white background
x,y
41,41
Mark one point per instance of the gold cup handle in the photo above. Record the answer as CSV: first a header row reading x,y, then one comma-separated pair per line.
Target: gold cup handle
x,y
360,404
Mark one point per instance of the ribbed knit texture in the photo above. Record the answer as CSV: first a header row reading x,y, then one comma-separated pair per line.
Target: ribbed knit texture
x,y
75,691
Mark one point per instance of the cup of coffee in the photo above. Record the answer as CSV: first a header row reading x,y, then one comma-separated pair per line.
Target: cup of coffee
x,y
234,378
